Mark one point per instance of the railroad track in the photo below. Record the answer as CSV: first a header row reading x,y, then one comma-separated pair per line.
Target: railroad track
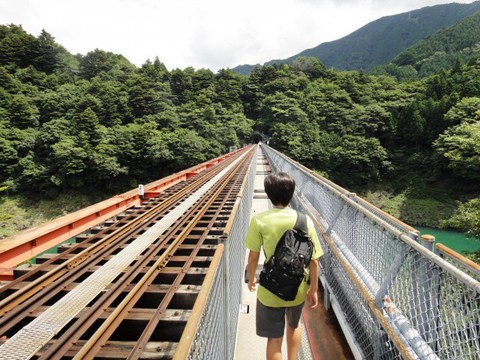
x,y
127,288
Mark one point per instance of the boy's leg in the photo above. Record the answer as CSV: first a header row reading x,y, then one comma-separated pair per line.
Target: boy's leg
x,y
270,323
294,339
274,348
294,332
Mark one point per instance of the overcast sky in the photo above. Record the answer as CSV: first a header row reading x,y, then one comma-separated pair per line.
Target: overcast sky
x,y
210,34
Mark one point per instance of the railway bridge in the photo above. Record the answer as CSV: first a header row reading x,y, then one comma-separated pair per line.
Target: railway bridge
x,y
159,274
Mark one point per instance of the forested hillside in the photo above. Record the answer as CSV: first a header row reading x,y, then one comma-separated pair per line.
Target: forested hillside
x,y
460,42
96,122
378,42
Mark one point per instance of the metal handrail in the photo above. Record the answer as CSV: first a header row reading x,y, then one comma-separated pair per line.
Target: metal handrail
x,y
407,287
459,259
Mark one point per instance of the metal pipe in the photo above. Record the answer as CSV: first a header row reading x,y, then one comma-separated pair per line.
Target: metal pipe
x,y
459,258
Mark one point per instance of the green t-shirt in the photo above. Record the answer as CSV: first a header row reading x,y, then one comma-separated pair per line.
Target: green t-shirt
x,y
265,230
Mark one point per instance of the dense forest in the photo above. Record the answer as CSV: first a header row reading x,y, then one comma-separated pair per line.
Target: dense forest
x,y
97,123
380,41
460,42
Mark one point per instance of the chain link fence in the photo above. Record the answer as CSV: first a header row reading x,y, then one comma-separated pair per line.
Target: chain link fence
x,y
210,340
214,338
395,299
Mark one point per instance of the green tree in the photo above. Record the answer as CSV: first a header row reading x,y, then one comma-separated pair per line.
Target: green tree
x,y
411,126
30,174
149,99
156,71
328,104
31,75
104,164
467,110
142,150
358,160
228,88
466,218
47,52
181,83
23,113
110,102
189,148
9,84
310,66
8,155
17,47
68,164
88,128
96,62
460,146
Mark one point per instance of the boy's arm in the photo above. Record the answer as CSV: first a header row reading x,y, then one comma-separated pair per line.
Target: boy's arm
x,y
312,295
253,257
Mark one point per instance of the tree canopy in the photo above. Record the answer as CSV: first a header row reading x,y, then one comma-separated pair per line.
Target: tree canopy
x,y
99,122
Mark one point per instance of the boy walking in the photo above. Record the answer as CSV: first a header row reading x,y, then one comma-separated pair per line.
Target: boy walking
x,y
265,231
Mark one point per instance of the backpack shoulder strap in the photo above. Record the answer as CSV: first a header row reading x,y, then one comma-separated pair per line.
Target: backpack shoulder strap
x,y
301,223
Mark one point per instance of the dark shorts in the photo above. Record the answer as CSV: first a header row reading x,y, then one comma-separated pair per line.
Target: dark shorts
x,y
271,321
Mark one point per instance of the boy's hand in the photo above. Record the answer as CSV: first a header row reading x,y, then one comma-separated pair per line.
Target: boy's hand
x,y
253,257
252,286
312,298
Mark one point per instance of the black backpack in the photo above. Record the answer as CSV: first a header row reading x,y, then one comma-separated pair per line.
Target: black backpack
x,y
283,273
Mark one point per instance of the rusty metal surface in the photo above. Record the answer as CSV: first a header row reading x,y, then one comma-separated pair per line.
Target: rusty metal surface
x,y
31,242
158,289
324,333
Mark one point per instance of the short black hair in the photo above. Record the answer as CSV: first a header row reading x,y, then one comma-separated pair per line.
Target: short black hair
x,y
279,188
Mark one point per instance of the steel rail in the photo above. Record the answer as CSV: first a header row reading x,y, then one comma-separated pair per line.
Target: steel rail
x,y
80,245
61,257
100,337
59,288
72,335
14,300
50,288
149,329
191,328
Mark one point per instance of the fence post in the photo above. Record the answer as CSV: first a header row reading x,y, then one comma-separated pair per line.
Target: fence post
x,y
422,279
431,279
428,241
226,291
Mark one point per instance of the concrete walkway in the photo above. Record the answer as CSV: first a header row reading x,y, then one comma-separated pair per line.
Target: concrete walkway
x,y
249,345
323,328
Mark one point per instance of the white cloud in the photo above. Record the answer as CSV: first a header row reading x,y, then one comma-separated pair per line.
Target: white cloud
x,y
208,33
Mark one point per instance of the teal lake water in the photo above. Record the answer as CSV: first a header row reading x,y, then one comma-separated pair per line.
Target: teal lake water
x,y
454,240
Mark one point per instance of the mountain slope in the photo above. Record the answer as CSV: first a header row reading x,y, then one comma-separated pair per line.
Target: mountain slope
x,y
380,41
442,49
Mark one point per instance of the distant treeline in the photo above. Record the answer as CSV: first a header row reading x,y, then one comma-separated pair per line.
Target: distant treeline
x,y
99,122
